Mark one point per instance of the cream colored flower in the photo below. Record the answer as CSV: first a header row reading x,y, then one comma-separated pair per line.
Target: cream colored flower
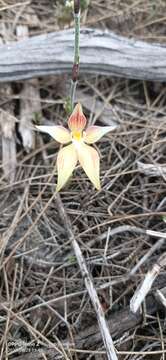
x,y
77,150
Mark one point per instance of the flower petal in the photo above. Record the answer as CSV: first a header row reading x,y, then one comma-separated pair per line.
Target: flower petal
x,y
77,119
94,133
66,162
59,133
89,160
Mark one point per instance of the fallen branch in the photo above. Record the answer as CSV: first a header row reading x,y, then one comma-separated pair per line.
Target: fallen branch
x,y
102,52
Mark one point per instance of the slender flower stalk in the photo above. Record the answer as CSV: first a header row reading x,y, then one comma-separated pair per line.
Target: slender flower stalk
x,y
75,69
78,150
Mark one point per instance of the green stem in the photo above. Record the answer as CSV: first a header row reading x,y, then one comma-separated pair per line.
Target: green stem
x,y
75,70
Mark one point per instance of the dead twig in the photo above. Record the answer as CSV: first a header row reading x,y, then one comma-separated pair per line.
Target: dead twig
x,y
152,169
142,291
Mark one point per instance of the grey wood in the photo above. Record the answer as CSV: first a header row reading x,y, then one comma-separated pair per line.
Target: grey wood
x,y
102,52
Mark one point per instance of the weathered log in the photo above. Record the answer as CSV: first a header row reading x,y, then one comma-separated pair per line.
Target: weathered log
x,y
102,52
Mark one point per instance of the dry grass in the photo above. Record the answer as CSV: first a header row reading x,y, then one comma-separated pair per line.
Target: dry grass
x,y
43,297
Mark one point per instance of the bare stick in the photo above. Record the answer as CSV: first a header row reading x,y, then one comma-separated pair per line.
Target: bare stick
x,y
111,354
161,297
145,287
151,169
149,253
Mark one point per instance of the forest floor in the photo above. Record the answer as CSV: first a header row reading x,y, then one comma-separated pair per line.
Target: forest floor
x,y
45,310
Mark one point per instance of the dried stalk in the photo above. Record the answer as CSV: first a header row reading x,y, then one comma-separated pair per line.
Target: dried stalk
x,y
145,287
161,297
151,169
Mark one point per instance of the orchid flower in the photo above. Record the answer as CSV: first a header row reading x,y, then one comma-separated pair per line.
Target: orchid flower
x,y
77,149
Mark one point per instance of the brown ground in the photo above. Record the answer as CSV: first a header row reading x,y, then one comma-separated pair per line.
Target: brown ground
x,y
43,266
